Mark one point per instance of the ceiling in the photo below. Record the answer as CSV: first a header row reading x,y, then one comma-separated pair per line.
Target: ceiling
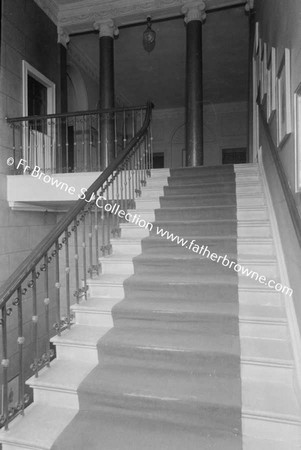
x,y
160,75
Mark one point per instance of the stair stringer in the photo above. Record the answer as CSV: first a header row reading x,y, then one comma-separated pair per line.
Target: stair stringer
x,y
293,326
270,410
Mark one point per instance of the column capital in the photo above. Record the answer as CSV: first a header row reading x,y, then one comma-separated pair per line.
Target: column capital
x,y
106,27
62,36
194,10
249,6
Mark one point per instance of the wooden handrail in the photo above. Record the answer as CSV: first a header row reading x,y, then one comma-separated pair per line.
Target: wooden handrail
x,y
24,269
12,120
291,204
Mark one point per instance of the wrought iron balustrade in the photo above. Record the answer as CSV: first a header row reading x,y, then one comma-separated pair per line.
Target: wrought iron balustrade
x,y
35,302
70,142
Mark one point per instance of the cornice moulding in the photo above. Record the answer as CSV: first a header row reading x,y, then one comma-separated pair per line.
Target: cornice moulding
x,y
81,15
51,8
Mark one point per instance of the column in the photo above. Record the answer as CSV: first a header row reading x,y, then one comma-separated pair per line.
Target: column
x,y
64,160
194,18
107,31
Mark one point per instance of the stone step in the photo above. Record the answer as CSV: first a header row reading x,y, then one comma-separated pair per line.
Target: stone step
x,y
107,286
38,429
122,246
121,264
95,311
79,343
58,384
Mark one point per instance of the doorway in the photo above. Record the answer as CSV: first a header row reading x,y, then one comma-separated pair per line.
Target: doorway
x,y
39,136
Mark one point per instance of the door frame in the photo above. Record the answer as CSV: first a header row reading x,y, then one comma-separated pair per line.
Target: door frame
x,y
29,70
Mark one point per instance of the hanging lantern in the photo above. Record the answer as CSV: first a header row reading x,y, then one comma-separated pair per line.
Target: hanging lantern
x,y
149,37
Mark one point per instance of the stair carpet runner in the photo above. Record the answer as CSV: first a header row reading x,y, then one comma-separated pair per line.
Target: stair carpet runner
x,y
163,354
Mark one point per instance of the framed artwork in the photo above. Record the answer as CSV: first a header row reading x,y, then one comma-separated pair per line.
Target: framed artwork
x,y
263,72
297,115
284,116
256,39
271,84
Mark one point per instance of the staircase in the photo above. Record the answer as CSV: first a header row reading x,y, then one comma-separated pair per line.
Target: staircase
x,y
173,350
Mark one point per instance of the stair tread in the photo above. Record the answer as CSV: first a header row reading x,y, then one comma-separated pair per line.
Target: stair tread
x,y
275,400
62,374
96,304
107,279
163,385
40,426
81,334
127,431
165,306
172,340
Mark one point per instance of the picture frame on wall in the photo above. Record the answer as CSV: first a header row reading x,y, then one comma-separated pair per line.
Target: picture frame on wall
x,y
256,39
297,129
263,72
283,87
271,84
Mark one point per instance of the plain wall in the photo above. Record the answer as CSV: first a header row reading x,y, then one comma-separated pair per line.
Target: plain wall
x,y
225,126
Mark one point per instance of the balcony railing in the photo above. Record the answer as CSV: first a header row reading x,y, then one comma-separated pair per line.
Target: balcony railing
x,y
70,142
35,302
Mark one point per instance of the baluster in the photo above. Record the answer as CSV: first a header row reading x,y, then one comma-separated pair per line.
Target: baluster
x,y
125,208
44,152
96,236
133,179
133,123
98,142
46,303
22,147
118,203
67,270
83,144
124,129
51,149
115,137
108,217
121,189
76,151
5,365
65,123
74,229
57,286
59,144
18,303
90,241
90,163
33,284
14,147
84,256
102,218
113,204
136,174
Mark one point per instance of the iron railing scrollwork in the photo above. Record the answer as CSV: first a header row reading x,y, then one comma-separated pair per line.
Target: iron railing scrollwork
x,y
36,301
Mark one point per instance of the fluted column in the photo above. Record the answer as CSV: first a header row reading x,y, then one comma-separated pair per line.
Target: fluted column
x,y
107,31
194,18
